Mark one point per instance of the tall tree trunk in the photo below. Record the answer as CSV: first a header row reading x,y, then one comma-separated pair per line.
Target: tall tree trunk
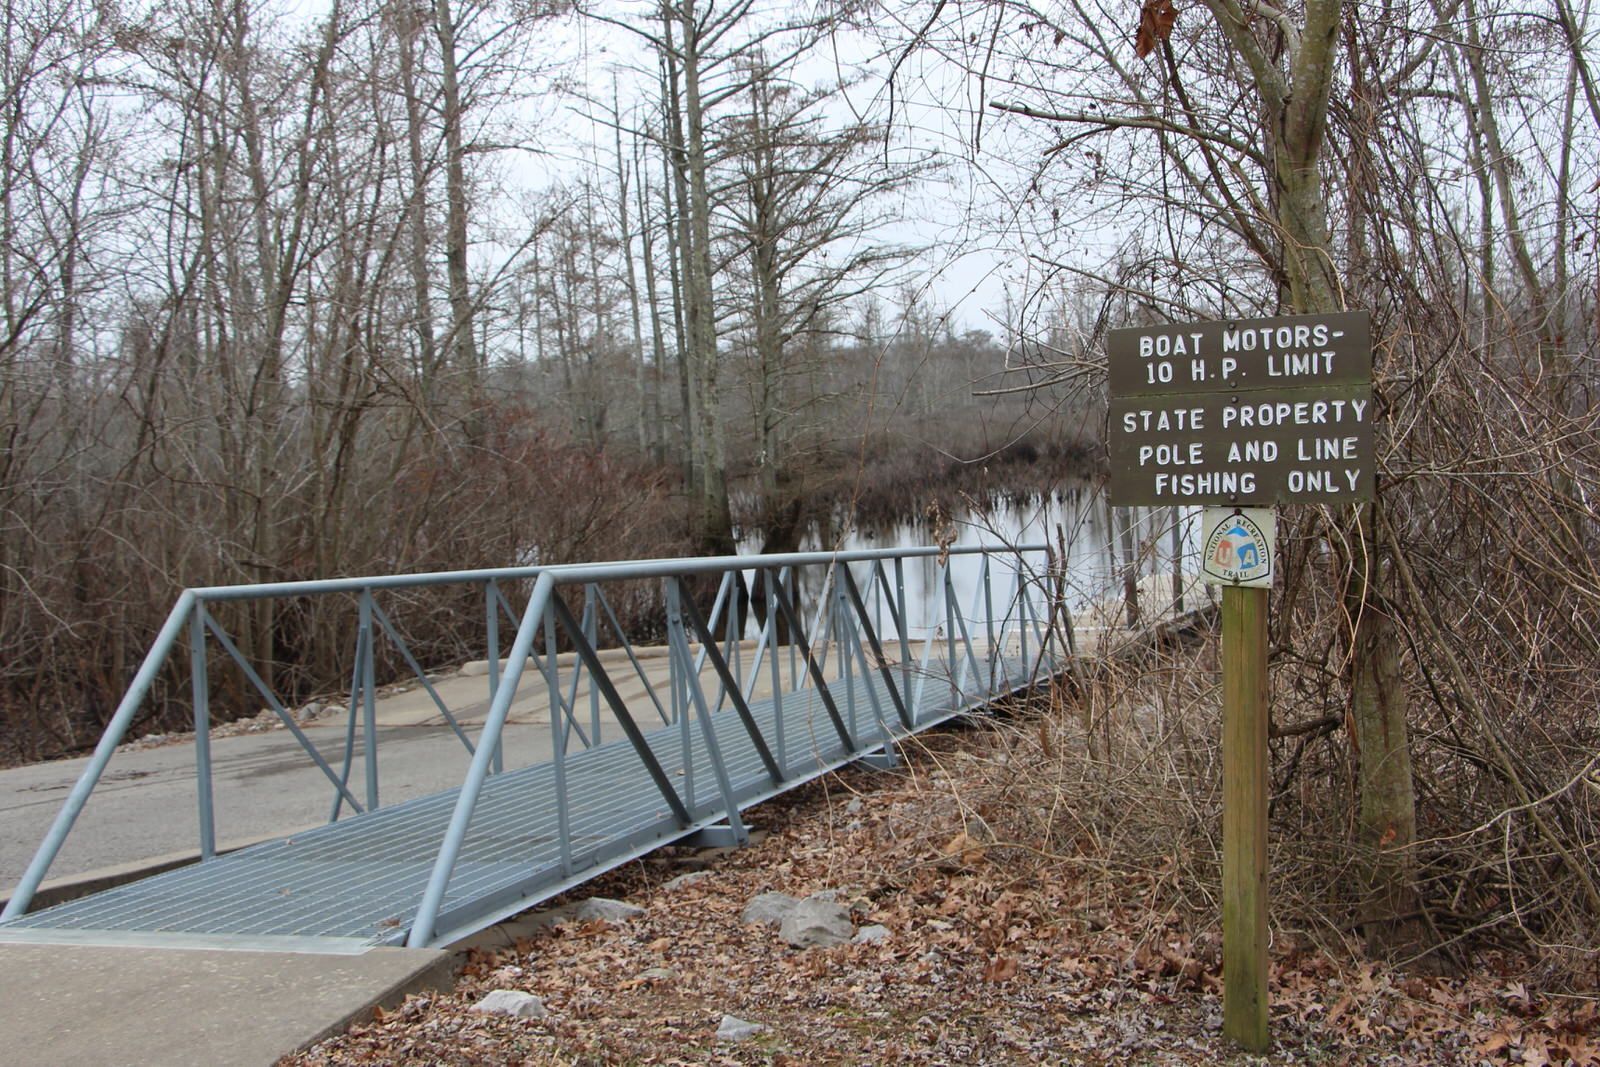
x,y
716,519
631,281
658,343
407,30
681,239
1295,113
1387,818
463,341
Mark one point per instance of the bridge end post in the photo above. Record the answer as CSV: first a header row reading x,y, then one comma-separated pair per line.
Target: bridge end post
x,y
50,847
444,865
200,690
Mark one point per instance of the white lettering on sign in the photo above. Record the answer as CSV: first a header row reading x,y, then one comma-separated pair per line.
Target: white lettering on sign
x,y
1252,451
1272,409
1260,338
1324,481
1299,364
1162,345
1325,448
1190,455
1210,483
1163,421
1300,413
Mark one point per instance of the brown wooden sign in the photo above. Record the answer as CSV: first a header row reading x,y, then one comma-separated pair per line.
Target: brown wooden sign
x,y
1264,447
1262,411
1288,352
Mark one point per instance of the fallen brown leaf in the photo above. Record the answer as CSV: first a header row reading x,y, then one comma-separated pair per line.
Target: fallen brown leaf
x,y
1156,20
1000,969
964,849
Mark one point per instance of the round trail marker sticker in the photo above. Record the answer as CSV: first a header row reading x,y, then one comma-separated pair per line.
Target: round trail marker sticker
x,y
1238,546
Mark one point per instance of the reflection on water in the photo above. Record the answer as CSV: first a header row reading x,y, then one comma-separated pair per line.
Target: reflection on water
x,y
1078,522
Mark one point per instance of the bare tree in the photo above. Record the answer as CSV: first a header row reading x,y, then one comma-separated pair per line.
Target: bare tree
x,y
1233,156
802,212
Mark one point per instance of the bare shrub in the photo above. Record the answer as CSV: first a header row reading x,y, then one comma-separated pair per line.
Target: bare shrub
x,y
81,623
1112,779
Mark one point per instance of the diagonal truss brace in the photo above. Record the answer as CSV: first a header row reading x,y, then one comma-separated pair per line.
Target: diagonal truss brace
x,y
278,709
730,686
878,657
619,707
548,669
797,636
708,733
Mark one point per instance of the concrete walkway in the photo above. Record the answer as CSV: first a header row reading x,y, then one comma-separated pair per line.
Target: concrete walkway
x,y
131,1007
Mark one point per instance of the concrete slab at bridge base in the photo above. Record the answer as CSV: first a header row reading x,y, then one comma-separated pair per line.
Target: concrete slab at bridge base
x,y
98,1006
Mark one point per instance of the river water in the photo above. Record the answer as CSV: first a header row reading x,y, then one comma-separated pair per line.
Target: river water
x,y
1097,547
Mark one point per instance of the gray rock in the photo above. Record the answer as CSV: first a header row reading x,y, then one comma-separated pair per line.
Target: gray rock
x,y
687,879
612,911
870,935
733,1028
817,923
979,830
512,1003
845,895
771,908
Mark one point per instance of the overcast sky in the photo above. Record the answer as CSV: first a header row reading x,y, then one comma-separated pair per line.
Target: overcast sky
x,y
968,267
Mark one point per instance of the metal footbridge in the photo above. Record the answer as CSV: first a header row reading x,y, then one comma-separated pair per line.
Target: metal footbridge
x,y
800,664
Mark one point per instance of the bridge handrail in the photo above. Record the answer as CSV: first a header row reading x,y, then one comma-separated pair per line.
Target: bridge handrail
x,y
566,573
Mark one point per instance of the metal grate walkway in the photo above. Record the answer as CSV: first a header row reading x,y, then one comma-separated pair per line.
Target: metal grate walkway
x,y
361,878
434,869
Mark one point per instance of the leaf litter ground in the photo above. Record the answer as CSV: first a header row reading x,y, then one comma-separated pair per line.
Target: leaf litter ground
x,y
992,958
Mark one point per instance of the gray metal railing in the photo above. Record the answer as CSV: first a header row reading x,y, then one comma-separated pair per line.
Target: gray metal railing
x,y
874,691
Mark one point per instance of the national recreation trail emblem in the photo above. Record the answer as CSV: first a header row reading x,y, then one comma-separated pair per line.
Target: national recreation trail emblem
x,y
1238,546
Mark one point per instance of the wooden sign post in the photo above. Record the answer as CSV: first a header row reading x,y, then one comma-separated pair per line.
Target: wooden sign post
x,y
1244,816
1237,414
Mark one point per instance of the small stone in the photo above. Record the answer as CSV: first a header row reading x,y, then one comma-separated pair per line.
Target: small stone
x,y
733,1028
684,880
612,911
512,1003
771,908
870,935
817,923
